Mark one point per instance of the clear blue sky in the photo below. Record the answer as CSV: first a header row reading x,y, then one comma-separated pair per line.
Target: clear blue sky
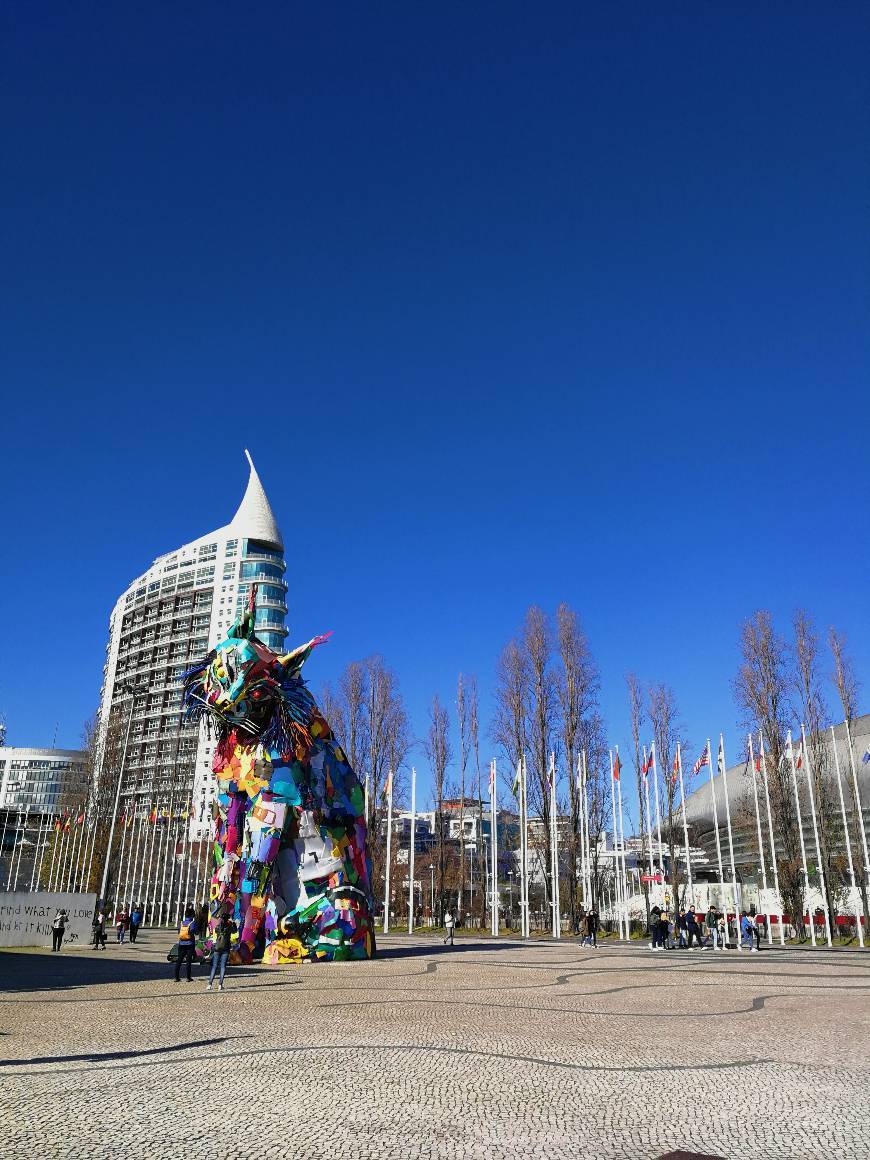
x,y
511,304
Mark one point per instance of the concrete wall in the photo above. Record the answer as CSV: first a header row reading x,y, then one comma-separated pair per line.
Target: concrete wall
x,y
25,918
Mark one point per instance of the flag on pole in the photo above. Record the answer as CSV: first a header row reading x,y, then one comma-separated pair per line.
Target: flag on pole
x,y
758,765
720,758
388,784
617,766
647,762
515,788
80,819
703,760
57,824
800,756
675,771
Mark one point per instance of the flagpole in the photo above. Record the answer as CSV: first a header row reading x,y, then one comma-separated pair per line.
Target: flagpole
x,y
585,819
130,885
36,853
772,843
622,845
730,840
716,824
615,844
645,768
389,849
147,885
21,848
859,809
524,848
578,794
77,841
797,802
493,826
685,824
412,851
851,865
652,750
757,816
826,911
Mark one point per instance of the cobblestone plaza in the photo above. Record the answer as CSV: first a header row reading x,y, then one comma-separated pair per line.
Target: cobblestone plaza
x,y
492,1049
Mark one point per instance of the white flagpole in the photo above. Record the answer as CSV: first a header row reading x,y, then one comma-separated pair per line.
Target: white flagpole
x,y
730,839
800,825
21,847
685,824
616,870
555,850
12,855
585,806
389,852
524,848
757,817
77,841
366,802
652,750
146,886
578,791
716,824
37,854
5,827
859,809
494,846
648,814
161,860
772,844
855,899
412,851
622,846
828,917
137,850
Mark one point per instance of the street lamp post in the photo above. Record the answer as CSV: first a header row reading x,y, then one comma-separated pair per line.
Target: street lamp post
x,y
127,689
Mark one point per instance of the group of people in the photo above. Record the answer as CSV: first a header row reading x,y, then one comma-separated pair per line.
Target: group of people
x,y
190,926
688,928
587,927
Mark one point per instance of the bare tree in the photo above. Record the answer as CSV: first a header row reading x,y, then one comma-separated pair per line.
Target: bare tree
x,y
761,692
542,716
510,723
809,690
439,753
577,687
847,689
636,717
591,739
664,718
462,718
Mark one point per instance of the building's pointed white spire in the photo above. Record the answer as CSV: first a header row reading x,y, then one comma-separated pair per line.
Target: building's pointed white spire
x,y
255,519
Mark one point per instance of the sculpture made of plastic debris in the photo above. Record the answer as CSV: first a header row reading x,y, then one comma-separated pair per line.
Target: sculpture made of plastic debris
x,y
290,856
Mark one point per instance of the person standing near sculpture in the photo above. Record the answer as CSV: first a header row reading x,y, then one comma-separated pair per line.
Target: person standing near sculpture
x,y
135,922
58,928
186,943
220,954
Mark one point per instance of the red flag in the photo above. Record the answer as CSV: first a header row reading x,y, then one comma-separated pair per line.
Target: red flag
x,y
758,765
57,824
617,766
675,771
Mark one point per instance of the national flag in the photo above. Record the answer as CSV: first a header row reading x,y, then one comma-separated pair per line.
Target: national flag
x,y
800,756
617,766
66,822
703,760
720,758
647,762
57,824
388,784
80,819
515,788
675,771
758,765
152,817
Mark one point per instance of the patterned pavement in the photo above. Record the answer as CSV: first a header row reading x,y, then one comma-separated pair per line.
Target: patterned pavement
x,y
492,1049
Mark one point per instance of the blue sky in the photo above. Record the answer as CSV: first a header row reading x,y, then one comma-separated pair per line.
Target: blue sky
x,y
510,304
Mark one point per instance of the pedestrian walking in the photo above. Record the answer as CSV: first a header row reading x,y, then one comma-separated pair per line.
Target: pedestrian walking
x,y
220,952
135,922
592,920
758,925
711,924
693,929
722,928
58,928
747,928
449,926
122,920
186,943
98,926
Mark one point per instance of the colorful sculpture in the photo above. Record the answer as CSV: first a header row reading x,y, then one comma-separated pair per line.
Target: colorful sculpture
x,y
289,826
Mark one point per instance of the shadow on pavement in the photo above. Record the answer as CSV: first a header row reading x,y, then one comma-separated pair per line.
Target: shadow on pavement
x,y
97,1057
27,972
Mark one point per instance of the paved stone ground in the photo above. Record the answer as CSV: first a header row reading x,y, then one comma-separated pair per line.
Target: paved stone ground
x,y
491,1050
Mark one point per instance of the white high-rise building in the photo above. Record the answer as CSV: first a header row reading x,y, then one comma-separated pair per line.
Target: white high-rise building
x,y
166,620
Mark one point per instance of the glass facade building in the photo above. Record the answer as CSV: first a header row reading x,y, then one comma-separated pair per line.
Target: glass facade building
x,y
41,781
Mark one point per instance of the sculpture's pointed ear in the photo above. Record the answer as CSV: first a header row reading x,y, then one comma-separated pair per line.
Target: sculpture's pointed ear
x,y
293,661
